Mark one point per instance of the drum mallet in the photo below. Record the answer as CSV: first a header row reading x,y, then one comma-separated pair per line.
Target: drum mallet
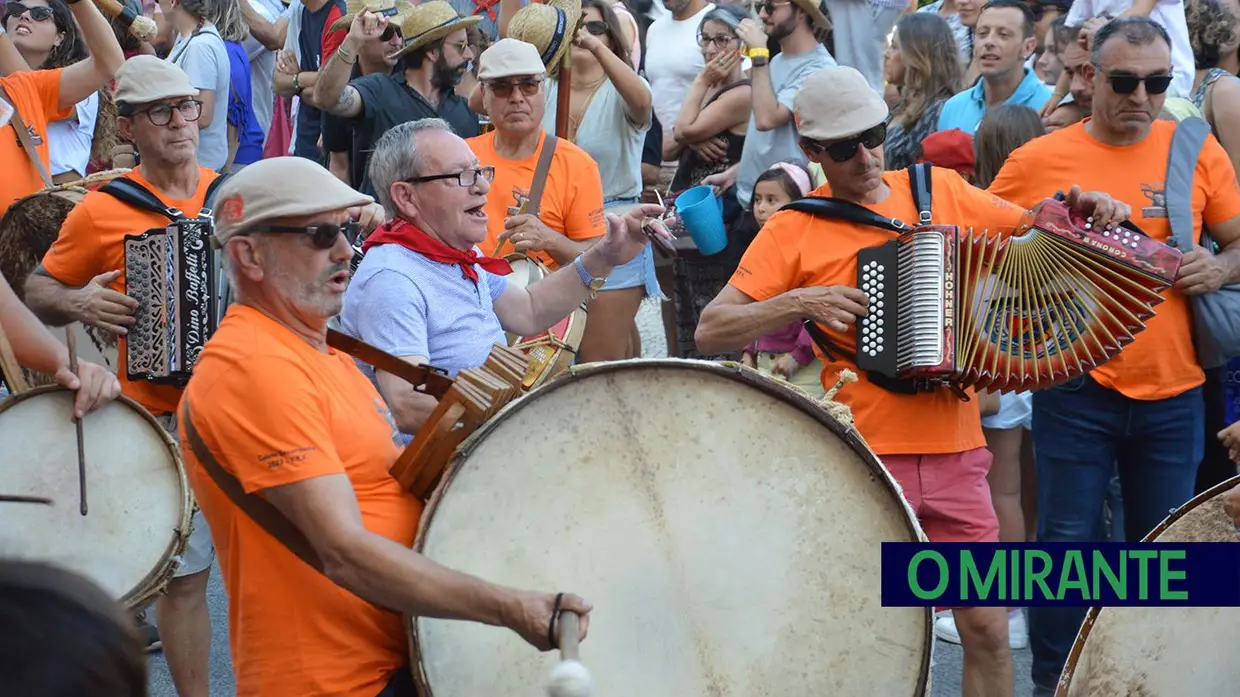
x,y
139,27
569,678
81,443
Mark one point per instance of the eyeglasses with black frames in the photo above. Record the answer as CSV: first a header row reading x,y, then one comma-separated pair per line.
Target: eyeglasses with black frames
x,y
844,150
465,179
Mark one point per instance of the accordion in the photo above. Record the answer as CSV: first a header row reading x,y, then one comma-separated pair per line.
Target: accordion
x,y
170,271
1007,313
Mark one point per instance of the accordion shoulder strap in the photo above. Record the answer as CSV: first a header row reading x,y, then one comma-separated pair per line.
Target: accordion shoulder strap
x,y
1190,136
919,182
138,196
839,209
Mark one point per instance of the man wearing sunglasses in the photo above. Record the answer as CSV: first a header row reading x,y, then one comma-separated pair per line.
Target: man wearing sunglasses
x,y
273,410
40,97
1144,409
801,266
435,56
772,135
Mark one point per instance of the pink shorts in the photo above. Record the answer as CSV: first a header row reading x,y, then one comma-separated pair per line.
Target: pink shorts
x,y
949,494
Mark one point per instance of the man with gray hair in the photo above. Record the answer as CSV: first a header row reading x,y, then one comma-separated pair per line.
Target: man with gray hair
x,y
289,450
425,293
1144,409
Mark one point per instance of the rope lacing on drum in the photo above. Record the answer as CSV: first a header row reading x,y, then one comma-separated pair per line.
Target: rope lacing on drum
x,y
839,410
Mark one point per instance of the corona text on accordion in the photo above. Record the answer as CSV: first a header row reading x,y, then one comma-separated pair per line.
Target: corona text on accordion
x,y
1008,312
171,272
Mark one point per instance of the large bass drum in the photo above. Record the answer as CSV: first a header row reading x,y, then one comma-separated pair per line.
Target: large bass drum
x,y
138,498
726,528
1162,651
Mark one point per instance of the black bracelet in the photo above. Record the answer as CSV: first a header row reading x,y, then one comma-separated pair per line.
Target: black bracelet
x,y
555,613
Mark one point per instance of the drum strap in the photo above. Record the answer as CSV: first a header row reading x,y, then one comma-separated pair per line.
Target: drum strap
x,y
259,509
23,136
534,203
435,381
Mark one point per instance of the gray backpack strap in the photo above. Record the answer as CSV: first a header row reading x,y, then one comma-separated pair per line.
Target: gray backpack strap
x,y
1190,137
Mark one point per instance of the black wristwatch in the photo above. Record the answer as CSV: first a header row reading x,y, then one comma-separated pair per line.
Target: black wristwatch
x,y
759,61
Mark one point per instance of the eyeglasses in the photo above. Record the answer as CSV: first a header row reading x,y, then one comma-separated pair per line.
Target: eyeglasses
x,y
37,13
161,114
768,6
503,90
389,33
460,45
322,236
465,179
721,41
845,150
596,28
1127,84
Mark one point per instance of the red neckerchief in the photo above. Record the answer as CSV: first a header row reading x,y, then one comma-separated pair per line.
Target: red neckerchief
x,y
410,237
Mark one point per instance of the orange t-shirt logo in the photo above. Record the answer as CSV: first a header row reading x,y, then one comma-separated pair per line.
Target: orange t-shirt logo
x,y
1157,195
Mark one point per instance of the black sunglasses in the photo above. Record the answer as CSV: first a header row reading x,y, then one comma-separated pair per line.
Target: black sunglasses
x,y
845,150
37,13
388,33
596,28
323,235
1127,84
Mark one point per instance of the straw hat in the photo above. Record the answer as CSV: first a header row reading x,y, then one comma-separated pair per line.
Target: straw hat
x,y
550,27
813,8
429,22
397,12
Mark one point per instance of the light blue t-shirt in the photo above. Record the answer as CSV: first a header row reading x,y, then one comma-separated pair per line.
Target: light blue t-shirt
x,y
407,305
204,59
965,110
765,148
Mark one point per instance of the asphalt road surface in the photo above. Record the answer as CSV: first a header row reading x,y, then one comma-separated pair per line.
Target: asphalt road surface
x,y
947,657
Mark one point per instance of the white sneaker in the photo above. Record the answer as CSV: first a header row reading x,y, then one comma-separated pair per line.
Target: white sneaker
x,y
1018,630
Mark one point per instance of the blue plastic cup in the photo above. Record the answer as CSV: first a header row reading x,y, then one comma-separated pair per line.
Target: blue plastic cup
x,y
701,211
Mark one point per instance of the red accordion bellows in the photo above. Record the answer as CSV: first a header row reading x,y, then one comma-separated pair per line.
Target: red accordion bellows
x,y
1012,312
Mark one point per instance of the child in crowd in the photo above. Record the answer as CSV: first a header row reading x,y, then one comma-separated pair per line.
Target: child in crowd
x,y
786,353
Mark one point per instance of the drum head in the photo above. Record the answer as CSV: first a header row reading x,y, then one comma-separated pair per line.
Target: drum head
x,y
726,529
1162,651
525,271
137,495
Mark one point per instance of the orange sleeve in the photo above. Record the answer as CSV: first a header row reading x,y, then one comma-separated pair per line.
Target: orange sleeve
x,y
1215,171
75,257
983,210
46,85
1013,184
768,267
265,423
584,218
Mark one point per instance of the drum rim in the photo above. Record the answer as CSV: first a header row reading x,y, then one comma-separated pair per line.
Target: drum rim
x,y
152,584
1091,616
734,371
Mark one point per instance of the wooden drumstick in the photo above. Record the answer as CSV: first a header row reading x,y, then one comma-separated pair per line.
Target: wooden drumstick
x,y
140,27
81,443
570,678
15,498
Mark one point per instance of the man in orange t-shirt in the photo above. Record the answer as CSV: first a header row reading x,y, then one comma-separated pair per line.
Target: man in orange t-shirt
x,y
273,410
1144,409
570,215
800,266
82,279
43,96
